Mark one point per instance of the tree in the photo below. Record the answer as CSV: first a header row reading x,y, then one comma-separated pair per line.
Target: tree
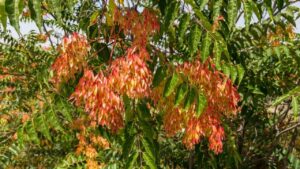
x,y
150,84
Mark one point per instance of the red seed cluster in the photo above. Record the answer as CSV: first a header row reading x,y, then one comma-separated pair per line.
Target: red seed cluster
x,y
141,26
222,99
72,59
101,95
100,101
222,96
130,74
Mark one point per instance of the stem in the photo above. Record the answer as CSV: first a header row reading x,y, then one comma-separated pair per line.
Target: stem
x,y
191,159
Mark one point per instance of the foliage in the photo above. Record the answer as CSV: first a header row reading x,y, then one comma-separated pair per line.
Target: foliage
x,y
150,84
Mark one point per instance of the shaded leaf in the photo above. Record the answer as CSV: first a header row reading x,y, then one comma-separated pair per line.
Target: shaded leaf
x,y
201,103
171,13
183,25
43,127
241,72
159,76
190,98
195,37
180,93
171,84
12,10
233,73
131,160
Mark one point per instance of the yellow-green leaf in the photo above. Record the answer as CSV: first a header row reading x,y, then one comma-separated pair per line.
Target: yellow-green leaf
x,y
205,47
171,84
295,106
232,11
3,15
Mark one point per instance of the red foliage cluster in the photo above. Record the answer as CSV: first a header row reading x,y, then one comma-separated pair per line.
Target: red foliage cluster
x,y
104,106
141,26
222,98
72,58
130,75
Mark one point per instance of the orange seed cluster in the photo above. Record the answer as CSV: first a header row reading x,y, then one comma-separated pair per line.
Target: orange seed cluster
x,y
72,58
222,99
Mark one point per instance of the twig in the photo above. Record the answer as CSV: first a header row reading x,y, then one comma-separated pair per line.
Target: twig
x,y
288,129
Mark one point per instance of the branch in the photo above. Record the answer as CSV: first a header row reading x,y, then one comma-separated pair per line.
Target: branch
x,y
288,129
50,40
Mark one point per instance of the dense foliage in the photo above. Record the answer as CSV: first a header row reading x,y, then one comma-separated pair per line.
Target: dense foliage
x,y
150,84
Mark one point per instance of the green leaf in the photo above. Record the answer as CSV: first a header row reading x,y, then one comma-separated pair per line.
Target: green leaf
x,y
226,70
67,114
255,9
149,161
94,17
257,91
65,109
268,4
37,6
129,114
205,47
41,122
233,73
53,120
147,129
20,134
149,148
12,10
180,93
232,12
131,160
195,37
128,144
203,3
162,6
202,18
217,53
216,9
247,13
3,15
280,4
295,106
201,103
55,5
144,112
183,25
189,99
287,95
171,13
31,132
171,84
241,72
159,76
